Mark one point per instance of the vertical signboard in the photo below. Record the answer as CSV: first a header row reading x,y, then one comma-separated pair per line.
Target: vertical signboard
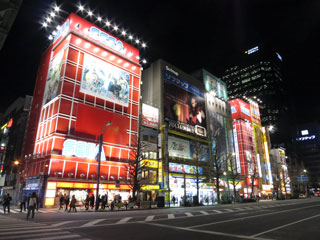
x,y
150,116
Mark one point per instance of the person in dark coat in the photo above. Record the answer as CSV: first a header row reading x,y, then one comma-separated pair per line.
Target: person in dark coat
x,y
86,203
66,202
92,201
73,204
23,203
61,200
6,203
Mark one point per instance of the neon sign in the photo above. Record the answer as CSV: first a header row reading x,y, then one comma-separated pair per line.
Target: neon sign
x,y
81,149
106,39
306,138
252,50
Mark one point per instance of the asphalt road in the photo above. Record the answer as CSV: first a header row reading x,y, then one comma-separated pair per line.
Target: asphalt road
x,y
289,219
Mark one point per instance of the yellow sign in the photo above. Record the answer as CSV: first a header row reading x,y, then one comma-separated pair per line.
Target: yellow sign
x,y
160,172
150,163
150,187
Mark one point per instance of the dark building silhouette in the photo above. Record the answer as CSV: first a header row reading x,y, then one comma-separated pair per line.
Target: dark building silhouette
x,y
258,75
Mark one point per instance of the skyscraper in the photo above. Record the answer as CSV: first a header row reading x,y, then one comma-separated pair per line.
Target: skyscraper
x,y
258,75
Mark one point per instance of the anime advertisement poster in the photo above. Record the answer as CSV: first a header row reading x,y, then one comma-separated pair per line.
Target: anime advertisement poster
x,y
182,168
150,116
53,78
103,80
215,86
184,105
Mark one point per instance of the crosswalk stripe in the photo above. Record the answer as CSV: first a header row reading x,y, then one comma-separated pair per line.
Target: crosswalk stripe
x,y
61,223
217,211
25,227
89,224
239,209
1,211
149,218
124,220
171,216
14,211
43,211
204,213
10,232
29,236
188,214
228,210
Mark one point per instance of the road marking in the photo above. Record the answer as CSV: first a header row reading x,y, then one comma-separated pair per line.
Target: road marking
x,y
171,216
124,220
259,215
30,236
208,232
61,223
217,211
60,237
92,223
188,214
204,213
43,211
149,218
248,208
286,225
228,210
239,209
29,231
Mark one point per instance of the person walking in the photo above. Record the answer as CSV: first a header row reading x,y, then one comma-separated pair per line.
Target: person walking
x,y
73,204
86,202
66,202
24,200
61,200
6,203
32,204
104,201
38,201
92,201
173,200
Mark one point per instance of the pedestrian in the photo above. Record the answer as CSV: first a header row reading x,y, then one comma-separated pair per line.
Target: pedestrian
x,y
73,204
86,203
174,200
23,203
32,204
103,201
92,201
38,201
66,202
6,203
61,200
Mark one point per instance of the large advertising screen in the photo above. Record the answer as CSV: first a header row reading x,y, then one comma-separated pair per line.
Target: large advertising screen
x,y
181,148
240,109
255,113
215,86
53,78
103,80
182,168
150,116
184,105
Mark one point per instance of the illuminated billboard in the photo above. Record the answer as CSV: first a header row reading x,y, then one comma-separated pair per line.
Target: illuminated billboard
x,y
184,106
53,78
150,116
182,168
215,86
181,148
240,110
255,113
105,81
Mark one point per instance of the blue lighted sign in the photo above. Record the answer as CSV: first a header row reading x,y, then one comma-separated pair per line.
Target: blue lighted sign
x,y
64,28
81,149
106,39
306,138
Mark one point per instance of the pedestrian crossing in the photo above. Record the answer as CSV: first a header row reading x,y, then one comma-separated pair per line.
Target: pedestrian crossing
x,y
12,228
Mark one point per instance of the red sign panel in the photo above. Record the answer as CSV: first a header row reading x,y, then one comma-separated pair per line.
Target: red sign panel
x,y
240,109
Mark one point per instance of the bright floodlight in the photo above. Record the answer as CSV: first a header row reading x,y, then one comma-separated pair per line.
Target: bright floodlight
x,y
137,41
130,37
50,37
270,127
108,23
90,13
81,8
115,27
48,19
52,14
44,24
99,19
144,61
144,45
123,33
56,8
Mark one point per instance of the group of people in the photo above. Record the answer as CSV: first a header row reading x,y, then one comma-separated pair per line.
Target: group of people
x,y
65,200
30,202
89,201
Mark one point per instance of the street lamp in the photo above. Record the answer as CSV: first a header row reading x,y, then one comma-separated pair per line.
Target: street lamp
x,y
99,161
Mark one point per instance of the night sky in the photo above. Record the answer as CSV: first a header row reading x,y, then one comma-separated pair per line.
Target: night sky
x,y
187,34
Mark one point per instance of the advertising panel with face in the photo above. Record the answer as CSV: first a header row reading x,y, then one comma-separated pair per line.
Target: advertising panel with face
x,y
53,78
103,80
215,87
184,103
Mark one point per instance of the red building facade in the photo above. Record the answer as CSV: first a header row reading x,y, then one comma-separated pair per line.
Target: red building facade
x,y
86,78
